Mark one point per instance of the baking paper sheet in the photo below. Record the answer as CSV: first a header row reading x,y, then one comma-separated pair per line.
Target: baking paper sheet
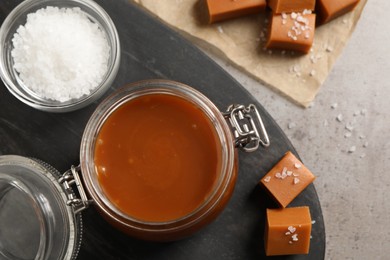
x,y
241,42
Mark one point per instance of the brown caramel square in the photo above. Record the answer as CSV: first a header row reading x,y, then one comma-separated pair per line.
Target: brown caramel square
x,y
293,31
288,231
219,10
288,6
328,10
287,179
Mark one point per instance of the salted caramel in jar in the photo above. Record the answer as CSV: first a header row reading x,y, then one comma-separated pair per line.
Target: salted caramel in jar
x,y
159,159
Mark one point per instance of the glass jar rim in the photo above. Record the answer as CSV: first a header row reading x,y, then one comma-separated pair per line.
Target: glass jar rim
x,y
37,182
133,91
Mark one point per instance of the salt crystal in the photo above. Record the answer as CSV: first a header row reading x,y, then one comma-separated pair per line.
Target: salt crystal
x,y
349,127
294,15
291,229
296,180
220,29
267,179
326,123
339,117
365,144
329,49
284,16
312,73
294,237
291,125
334,105
297,165
347,134
352,149
289,173
313,222
73,53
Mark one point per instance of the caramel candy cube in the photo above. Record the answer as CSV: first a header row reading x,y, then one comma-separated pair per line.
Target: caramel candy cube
x,y
289,6
287,179
293,31
287,231
219,10
328,10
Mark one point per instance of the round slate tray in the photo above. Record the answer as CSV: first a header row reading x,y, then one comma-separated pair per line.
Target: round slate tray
x,y
151,50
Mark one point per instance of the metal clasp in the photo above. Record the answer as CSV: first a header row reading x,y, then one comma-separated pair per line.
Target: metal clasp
x,y
69,178
248,135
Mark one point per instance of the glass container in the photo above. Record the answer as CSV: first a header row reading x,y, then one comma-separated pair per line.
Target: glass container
x,y
11,77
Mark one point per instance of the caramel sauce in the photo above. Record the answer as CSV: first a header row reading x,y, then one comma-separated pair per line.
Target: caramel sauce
x,y
157,157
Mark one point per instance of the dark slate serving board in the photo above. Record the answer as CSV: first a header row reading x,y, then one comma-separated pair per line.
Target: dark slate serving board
x,y
151,50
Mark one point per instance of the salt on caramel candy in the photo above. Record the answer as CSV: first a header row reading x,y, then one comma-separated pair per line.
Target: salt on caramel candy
x,y
293,31
328,10
219,10
287,179
288,6
287,231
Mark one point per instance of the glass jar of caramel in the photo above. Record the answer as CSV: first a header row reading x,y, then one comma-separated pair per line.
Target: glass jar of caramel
x,y
159,159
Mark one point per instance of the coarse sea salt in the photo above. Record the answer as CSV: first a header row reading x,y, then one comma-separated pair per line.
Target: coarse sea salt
x,y
60,54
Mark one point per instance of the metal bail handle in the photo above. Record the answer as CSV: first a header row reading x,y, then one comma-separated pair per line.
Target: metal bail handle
x,y
69,178
248,135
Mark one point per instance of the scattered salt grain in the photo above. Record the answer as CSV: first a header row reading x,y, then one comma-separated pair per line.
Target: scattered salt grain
x,y
363,112
297,165
291,125
313,222
60,54
292,229
326,123
334,105
312,73
339,117
365,144
296,180
220,29
294,15
267,179
294,237
352,149
329,49
349,127
347,134
362,155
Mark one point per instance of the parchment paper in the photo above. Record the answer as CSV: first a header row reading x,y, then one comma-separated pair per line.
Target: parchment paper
x,y
241,42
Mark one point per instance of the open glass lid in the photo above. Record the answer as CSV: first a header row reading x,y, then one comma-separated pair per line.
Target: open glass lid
x,y
35,222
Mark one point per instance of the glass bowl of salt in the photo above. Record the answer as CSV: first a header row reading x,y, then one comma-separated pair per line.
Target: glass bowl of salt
x,y
58,55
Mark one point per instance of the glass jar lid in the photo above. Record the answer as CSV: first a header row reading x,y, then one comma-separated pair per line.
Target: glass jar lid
x,y
35,221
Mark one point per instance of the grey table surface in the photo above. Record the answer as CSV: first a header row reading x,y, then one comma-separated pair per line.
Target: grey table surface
x,y
351,165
